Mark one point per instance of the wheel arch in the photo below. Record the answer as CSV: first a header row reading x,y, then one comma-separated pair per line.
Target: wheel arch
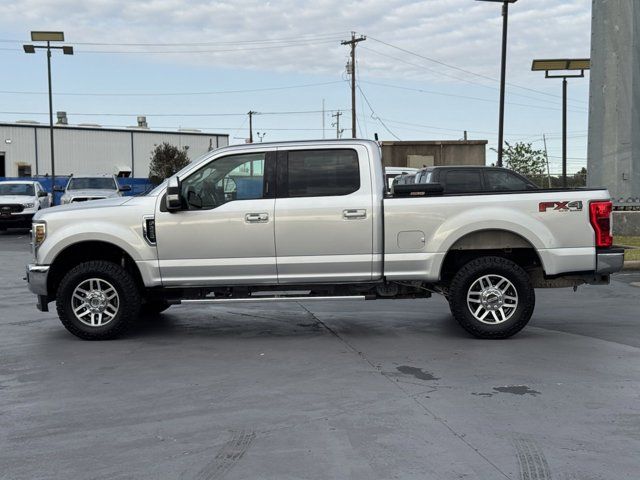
x,y
85,251
494,242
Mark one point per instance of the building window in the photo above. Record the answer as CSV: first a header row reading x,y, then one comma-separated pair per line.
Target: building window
x,y
24,170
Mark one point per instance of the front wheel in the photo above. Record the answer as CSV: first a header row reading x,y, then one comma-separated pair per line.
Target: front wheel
x,y
492,297
97,300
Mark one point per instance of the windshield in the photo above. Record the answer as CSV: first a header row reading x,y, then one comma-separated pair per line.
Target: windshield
x,y
92,183
16,189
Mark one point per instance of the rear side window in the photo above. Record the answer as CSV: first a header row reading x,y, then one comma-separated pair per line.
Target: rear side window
x,y
500,181
462,181
321,173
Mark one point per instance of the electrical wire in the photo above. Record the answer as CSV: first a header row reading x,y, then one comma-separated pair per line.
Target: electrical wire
x,y
173,94
460,69
467,97
188,44
374,115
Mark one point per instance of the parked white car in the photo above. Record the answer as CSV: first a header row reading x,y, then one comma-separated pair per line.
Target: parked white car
x,y
94,187
19,201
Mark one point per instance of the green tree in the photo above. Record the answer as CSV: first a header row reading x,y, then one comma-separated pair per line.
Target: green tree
x,y
166,159
524,159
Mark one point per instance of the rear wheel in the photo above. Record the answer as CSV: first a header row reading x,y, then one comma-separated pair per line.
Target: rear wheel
x,y
492,297
97,300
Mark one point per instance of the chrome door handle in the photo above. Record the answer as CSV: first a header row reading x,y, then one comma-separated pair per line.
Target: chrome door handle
x,y
256,217
354,214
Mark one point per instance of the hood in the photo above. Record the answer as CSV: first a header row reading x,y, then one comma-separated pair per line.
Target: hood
x,y
17,199
92,193
93,204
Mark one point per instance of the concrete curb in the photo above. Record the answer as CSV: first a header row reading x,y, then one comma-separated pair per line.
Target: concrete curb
x,y
631,265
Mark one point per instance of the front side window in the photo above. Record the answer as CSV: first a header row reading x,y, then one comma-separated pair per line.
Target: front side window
x,y
321,173
225,179
462,181
92,183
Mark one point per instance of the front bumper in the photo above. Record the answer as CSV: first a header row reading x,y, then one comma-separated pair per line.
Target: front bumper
x,y
609,260
37,278
37,281
16,220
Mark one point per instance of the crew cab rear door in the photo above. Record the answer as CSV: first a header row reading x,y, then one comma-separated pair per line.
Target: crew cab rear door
x,y
324,215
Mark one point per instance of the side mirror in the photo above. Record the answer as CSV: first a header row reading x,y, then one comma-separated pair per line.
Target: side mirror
x,y
124,188
173,202
42,193
58,188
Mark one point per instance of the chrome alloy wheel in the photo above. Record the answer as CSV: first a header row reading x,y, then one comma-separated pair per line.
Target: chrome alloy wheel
x,y
95,302
492,299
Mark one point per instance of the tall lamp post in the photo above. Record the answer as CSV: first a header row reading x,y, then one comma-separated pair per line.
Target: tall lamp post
x,y
563,65
67,50
503,72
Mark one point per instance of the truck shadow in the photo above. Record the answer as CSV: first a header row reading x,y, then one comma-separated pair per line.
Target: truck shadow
x,y
254,323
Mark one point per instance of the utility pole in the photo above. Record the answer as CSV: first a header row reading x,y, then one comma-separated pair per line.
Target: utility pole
x,y
564,132
251,113
337,123
546,156
352,70
503,72
323,118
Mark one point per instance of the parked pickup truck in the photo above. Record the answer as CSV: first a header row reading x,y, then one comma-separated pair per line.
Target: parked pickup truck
x,y
308,221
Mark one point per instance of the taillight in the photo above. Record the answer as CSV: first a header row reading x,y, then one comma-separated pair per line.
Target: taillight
x,y
600,218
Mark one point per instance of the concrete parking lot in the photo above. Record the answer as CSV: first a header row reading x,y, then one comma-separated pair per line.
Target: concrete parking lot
x,y
341,390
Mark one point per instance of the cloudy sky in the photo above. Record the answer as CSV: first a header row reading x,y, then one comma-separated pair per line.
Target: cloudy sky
x,y
428,69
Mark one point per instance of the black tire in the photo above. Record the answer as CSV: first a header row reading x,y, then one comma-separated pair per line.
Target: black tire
x,y
128,299
469,275
153,308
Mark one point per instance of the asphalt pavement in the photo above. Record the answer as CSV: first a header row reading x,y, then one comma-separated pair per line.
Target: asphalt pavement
x,y
388,389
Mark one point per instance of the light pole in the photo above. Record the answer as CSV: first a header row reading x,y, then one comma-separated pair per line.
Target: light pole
x,y
563,64
67,50
503,72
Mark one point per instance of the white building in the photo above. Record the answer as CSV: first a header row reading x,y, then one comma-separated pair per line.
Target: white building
x,y
25,149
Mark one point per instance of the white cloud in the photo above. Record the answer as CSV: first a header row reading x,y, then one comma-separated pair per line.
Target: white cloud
x,y
461,32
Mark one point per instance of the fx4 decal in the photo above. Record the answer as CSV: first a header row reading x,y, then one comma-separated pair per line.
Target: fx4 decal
x,y
575,206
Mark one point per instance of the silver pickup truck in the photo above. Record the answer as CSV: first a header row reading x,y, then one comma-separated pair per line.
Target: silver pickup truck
x,y
310,221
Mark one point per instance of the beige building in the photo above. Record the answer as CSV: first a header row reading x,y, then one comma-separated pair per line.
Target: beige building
x,y
427,153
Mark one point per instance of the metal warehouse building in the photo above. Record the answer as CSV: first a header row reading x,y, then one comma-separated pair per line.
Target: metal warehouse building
x,y
91,149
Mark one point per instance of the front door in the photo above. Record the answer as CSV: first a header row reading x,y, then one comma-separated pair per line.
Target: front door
x,y
224,234
324,216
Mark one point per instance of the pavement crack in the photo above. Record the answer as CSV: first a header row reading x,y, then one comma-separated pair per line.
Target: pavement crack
x,y
407,394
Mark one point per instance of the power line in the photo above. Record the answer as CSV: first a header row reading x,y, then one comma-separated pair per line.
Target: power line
x,y
375,116
155,44
463,70
466,80
153,94
191,51
91,114
466,97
